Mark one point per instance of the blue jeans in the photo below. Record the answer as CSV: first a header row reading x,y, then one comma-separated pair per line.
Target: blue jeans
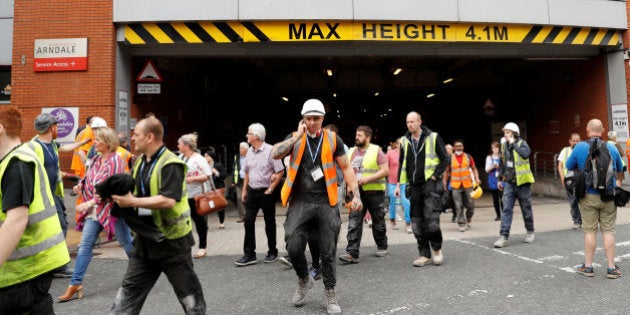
x,y
523,193
91,230
392,202
575,209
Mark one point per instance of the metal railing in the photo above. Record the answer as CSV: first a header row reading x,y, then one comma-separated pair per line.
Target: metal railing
x,y
545,162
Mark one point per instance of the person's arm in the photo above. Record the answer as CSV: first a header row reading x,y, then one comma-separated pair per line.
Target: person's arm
x,y
277,178
445,176
282,149
440,150
523,149
489,166
401,159
11,231
245,183
561,167
71,146
351,182
170,192
476,172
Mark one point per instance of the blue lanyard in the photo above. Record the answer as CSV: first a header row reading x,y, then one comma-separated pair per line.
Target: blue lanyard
x,y
52,156
144,177
314,157
413,147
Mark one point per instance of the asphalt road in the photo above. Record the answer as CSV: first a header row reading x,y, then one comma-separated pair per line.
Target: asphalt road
x,y
475,278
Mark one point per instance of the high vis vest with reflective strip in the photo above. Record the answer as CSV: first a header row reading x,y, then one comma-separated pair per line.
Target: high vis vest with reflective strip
x,y
42,247
125,156
615,145
566,152
370,166
431,159
236,169
39,151
523,173
329,145
461,174
173,223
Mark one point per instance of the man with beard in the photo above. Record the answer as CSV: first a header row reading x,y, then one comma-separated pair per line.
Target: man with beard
x,y
464,178
371,169
562,171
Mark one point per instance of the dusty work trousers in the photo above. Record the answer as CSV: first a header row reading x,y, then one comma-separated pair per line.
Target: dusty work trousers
x,y
142,274
425,216
462,199
376,203
321,221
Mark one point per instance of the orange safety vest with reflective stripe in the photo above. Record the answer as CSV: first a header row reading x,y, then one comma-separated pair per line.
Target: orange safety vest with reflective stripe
x,y
461,174
329,145
125,156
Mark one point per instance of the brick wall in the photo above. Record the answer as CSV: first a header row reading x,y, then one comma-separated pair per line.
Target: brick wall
x,y
91,90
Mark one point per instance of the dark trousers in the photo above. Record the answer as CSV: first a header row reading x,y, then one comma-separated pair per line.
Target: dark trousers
x,y
256,199
221,215
576,216
319,221
425,216
497,196
29,297
376,203
142,274
201,223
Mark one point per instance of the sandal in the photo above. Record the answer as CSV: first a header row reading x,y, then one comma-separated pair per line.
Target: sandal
x,y
201,253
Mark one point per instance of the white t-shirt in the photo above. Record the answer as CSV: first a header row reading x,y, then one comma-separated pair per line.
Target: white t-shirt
x,y
197,165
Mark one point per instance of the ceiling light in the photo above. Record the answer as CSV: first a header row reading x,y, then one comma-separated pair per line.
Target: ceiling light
x,y
397,71
376,93
448,80
334,94
284,98
329,72
430,95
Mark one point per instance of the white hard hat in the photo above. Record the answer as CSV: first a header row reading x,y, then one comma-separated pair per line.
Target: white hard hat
x,y
513,127
98,122
313,107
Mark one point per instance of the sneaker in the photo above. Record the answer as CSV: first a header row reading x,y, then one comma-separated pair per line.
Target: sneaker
x,y
270,258
381,253
613,273
349,258
393,225
399,218
304,285
408,229
315,273
530,237
245,261
501,242
437,257
332,306
286,260
462,228
63,273
587,271
577,226
422,261
240,220
369,222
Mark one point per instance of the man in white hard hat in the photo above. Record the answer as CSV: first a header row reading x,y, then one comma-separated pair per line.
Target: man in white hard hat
x,y
516,180
310,191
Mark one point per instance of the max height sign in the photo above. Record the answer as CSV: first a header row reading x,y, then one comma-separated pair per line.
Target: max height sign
x,y
60,54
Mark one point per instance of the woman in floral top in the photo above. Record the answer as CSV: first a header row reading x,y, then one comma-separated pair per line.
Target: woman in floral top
x,y
94,214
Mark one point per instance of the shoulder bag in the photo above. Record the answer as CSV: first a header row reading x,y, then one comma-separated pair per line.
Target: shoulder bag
x,y
210,201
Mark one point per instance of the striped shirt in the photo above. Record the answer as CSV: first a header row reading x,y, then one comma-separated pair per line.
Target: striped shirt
x,y
259,165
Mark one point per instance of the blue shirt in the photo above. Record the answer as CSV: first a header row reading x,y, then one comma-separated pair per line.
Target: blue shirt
x,y
580,153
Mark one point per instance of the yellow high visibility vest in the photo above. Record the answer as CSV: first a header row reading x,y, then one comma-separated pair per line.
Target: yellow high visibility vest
x,y
370,166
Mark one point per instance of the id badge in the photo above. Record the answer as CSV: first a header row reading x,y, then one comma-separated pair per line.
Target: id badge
x,y
143,212
317,173
510,164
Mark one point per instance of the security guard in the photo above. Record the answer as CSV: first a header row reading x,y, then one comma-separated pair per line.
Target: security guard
x,y
31,241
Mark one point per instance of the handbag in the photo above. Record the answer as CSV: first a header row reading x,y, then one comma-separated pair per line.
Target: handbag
x,y
210,201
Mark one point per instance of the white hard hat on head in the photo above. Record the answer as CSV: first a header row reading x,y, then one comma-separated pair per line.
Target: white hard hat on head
x,y
513,127
98,122
313,107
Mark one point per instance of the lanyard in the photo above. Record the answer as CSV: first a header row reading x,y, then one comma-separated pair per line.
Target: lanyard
x,y
52,156
313,157
145,177
413,148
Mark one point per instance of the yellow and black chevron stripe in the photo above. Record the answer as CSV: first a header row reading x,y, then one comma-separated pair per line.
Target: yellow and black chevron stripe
x,y
283,31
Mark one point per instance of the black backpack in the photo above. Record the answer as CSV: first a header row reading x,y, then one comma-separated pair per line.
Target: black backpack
x,y
598,169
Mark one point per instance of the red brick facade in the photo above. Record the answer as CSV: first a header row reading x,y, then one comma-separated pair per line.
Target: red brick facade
x,y
91,90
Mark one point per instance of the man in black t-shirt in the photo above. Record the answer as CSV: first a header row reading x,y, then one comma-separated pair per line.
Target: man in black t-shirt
x,y
310,190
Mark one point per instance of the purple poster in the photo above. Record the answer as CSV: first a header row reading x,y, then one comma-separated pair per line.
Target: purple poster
x,y
66,120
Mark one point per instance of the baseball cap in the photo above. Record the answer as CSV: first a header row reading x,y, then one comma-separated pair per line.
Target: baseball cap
x,y
98,122
44,121
313,107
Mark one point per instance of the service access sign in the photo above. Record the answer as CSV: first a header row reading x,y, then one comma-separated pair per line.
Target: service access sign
x,y
60,54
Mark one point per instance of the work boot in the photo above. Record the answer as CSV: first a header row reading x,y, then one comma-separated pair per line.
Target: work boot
x,y
332,306
304,285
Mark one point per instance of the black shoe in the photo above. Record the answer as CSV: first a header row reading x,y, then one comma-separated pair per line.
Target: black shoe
x,y
63,273
245,261
497,219
271,258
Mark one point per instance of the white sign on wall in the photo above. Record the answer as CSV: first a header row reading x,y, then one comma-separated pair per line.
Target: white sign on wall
x,y
68,118
620,121
60,54
123,111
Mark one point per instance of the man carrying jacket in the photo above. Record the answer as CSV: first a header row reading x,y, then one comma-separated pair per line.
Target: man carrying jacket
x,y
423,159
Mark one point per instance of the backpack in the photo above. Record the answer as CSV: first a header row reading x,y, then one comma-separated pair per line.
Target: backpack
x,y
598,169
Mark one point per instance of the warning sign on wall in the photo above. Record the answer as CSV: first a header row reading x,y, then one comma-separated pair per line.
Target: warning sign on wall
x,y
149,73
620,121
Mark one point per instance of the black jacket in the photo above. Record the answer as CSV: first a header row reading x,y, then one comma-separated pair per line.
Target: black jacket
x,y
417,163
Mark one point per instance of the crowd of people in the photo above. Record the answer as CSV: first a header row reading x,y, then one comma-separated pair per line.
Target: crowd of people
x,y
316,173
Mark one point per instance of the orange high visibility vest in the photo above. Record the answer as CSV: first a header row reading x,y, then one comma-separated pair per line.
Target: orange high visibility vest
x,y
125,156
461,174
329,145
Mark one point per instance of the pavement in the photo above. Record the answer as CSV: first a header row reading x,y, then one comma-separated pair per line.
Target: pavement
x,y
475,278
